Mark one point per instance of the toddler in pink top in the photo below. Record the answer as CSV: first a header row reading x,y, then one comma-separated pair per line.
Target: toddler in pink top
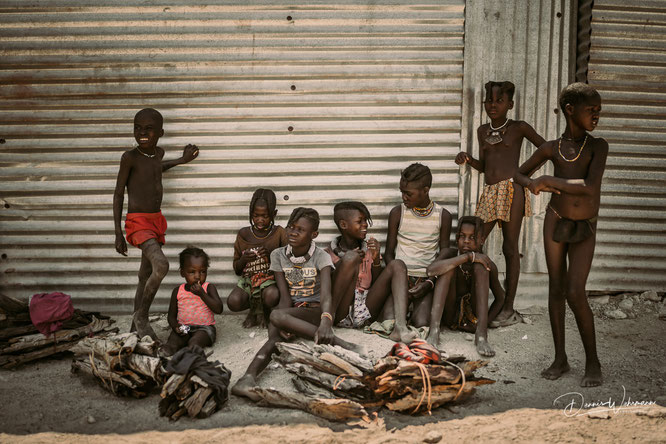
x,y
193,304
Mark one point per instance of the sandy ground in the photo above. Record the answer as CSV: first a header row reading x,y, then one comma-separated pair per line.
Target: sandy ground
x,y
42,401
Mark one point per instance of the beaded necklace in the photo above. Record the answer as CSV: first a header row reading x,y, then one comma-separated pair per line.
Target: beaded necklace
x,y
270,231
423,212
339,252
300,260
559,149
147,155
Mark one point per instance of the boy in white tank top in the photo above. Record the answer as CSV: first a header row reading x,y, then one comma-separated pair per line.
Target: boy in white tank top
x,y
419,229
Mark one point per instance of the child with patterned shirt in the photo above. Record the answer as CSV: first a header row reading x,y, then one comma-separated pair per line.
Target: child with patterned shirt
x,y
193,304
303,275
256,288
418,231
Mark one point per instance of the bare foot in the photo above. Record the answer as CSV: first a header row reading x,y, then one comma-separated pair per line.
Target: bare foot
x,y
592,377
402,334
243,387
556,370
143,327
484,348
166,350
252,320
433,337
504,314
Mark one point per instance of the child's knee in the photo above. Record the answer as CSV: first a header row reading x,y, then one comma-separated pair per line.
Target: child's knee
x,y
277,318
397,266
510,250
420,320
350,259
271,296
235,300
161,267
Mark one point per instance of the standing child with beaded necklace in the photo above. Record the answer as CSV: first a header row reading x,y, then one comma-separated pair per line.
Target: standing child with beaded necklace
x,y
418,231
256,288
569,227
503,201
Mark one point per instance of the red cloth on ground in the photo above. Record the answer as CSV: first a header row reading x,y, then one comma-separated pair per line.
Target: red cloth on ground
x,y
143,226
49,310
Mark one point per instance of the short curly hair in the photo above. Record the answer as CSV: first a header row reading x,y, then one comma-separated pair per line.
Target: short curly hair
x,y
192,251
577,93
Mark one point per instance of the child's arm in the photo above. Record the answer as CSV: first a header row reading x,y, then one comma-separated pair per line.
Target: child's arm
x,y
241,258
531,165
443,266
190,152
392,235
530,134
324,334
479,164
590,185
373,248
283,288
118,197
211,298
172,317
444,230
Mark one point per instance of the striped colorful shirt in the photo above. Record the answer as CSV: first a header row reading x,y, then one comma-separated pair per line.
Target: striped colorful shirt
x,y
418,239
192,310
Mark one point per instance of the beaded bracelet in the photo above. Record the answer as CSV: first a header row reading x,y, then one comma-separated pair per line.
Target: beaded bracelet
x,y
327,315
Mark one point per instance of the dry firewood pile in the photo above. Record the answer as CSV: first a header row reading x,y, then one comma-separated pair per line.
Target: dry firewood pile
x,y
122,363
339,385
20,342
196,388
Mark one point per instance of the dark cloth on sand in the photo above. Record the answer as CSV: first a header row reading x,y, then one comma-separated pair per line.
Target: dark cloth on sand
x,y
193,359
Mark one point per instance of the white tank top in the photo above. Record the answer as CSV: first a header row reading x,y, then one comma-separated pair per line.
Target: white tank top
x,y
418,239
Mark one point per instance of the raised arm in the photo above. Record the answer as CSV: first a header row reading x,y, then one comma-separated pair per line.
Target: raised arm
x,y
210,297
190,152
118,198
392,235
531,165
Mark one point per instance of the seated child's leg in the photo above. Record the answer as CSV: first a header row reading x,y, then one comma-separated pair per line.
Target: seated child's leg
x,y
144,273
557,275
259,362
200,338
481,287
443,294
580,261
174,343
160,266
238,300
511,235
422,309
392,281
344,280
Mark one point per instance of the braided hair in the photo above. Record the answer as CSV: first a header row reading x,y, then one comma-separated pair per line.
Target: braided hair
x,y
192,251
505,87
264,195
418,173
350,205
308,213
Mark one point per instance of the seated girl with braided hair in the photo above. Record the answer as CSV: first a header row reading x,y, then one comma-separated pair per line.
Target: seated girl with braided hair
x,y
256,288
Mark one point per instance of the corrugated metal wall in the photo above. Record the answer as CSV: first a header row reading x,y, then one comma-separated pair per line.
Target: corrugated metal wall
x,y
528,43
628,67
319,101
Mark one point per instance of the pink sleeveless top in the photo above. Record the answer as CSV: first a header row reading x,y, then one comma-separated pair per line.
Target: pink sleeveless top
x,y
192,310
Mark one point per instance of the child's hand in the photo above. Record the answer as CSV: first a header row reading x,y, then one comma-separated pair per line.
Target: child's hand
x,y
324,334
190,152
462,158
420,290
249,255
121,245
373,249
197,289
182,330
260,252
482,259
541,184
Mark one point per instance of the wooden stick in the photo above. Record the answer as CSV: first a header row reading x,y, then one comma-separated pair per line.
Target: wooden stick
x,y
172,384
38,340
147,366
195,402
184,390
208,408
331,409
349,356
11,361
341,363
101,372
12,305
11,332
292,353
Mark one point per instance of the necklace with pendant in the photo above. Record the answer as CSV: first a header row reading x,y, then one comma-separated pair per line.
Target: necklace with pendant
x,y
494,135
147,155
